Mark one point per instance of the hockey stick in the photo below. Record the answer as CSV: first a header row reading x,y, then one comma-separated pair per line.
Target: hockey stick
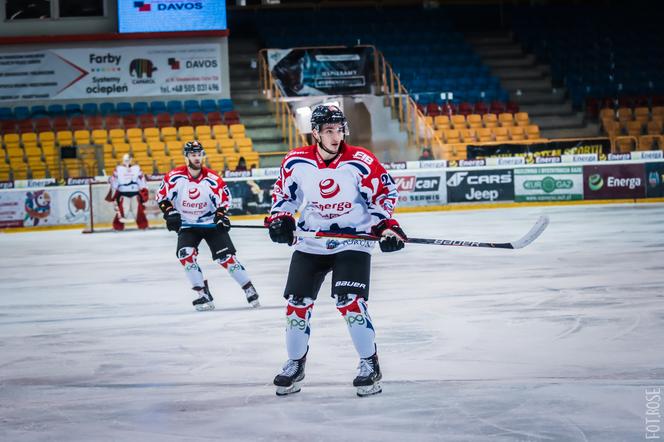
x,y
520,243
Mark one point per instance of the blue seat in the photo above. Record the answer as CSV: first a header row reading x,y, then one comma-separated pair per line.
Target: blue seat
x,y
157,107
124,108
174,106
38,111
56,109
90,108
208,106
225,105
192,106
72,109
6,113
107,108
141,108
21,112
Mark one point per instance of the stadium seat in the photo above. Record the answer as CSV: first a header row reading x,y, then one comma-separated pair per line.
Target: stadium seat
x,y
231,117
64,138
107,108
157,107
452,136
214,118
123,108
484,135
474,121
151,134
522,119
73,109
130,121
237,130
208,106
169,133
517,133
141,108
112,122
116,136
654,127
99,136
191,106
203,132
55,110
146,120
81,137
163,120
490,120
458,121
650,142
198,119
174,106
77,122
134,135
60,123
442,122
532,132
501,134
220,131
634,128
185,133
96,122
506,119
90,108
181,119
225,105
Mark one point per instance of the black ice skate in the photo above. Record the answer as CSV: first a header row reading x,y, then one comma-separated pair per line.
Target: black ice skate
x,y
368,376
288,381
204,300
252,295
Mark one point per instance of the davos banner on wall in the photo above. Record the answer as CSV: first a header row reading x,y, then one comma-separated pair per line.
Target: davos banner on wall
x,y
338,71
132,71
171,15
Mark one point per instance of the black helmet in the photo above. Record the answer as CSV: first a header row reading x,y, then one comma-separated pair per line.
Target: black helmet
x,y
327,114
192,146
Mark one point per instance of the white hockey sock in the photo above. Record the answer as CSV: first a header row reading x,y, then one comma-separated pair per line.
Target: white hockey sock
x,y
298,315
187,257
235,269
355,313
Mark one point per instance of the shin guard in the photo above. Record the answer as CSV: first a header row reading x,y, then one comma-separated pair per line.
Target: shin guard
x,y
298,330
355,313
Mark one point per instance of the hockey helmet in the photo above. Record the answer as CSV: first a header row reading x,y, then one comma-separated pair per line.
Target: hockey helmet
x,y
192,147
328,114
126,159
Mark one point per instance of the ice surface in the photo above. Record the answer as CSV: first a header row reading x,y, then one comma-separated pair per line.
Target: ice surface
x,y
557,341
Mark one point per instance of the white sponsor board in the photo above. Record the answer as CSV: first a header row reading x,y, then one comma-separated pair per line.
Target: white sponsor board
x,y
128,71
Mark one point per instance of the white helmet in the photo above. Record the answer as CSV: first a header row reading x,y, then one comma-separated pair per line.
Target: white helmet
x,y
126,159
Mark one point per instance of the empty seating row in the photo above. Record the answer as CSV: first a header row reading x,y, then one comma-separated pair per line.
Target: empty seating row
x,y
476,121
494,134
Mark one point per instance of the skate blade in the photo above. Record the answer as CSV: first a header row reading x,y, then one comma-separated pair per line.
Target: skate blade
x,y
255,304
369,390
285,391
205,307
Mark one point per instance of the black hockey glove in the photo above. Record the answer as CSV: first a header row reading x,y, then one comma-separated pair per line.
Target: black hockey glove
x,y
392,237
281,227
221,220
172,216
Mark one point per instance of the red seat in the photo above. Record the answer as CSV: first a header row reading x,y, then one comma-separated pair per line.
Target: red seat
x,y
60,123
198,119
181,119
113,122
449,109
95,122
130,121
163,119
78,122
25,126
592,107
146,120
43,125
481,108
215,118
497,107
465,108
432,110
512,107
231,117
8,126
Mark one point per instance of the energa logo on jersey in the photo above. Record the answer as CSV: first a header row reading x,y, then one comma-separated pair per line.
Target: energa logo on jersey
x,y
194,193
328,188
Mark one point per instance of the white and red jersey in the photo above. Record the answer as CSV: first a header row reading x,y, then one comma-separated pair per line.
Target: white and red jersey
x,y
349,195
196,199
127,179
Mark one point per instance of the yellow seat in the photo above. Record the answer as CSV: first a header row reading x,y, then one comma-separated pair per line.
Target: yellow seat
x,y
634,128
442,122
490,120
607,114
173,148
522,119
468,135
226,145
474,121
220,131
134,135
203,132
624,144
117,136
120,149
33,152
157,148
624,115
244,144
506,119
500,133
209,145
11,140
151,134
139,149
169,134
186,133
99,136
532,132
452,136
458,121
654,127
237,130
15,152
82,137
484,135
642,115
517,133
650,142
64,138
29,139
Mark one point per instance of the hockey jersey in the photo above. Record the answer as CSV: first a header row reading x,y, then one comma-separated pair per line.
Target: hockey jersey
x,y
195,199
348,195
127,180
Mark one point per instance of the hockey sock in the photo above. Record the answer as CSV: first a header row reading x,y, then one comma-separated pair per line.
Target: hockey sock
x,y
298,315
187,257
235,269
355,313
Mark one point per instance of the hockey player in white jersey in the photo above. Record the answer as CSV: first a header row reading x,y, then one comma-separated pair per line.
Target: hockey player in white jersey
x,y
129,193
194,201
342,189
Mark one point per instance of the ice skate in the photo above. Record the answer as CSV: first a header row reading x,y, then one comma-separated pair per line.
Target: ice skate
x,y
288,381
368,376
252,295
203,301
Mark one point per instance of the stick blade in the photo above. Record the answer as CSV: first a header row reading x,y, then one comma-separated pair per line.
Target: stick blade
x,y
539,227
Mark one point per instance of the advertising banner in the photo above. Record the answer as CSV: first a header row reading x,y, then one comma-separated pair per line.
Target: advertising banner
x,y
302,72
480,185
171,15
132,71
420,188
614,181
561,183
654,180
599,146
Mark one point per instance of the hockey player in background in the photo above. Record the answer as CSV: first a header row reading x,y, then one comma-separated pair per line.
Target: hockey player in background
x,y
195,201
346,190
129,193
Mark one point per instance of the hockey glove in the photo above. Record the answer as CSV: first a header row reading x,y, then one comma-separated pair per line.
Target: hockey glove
x,y
281,227
172,216
221,220
392,237
143,195
111,196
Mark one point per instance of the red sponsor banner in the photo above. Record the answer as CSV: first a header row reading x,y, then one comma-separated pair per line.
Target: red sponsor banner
x,y
614,181
405,183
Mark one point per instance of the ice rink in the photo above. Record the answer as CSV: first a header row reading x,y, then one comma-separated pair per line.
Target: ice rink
x,y
555,342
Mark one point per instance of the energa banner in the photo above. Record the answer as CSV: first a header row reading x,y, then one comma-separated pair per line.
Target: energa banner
x,y
128,71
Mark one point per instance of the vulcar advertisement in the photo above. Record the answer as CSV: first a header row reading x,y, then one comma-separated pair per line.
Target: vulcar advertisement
x,y
548,184
132,71
614,181
480,185
420,188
